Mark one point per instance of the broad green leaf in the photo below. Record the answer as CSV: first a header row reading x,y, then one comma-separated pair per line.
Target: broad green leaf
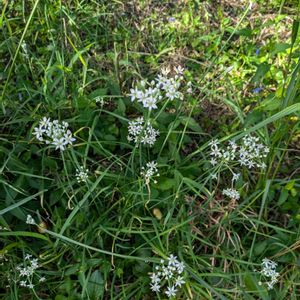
x,y
191,124
95,286
261,71
165,184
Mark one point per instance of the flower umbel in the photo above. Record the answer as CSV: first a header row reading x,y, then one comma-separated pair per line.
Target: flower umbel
x,y
269,271
168,273
138,132
27,272
150,171
163,86
54,133
232,193
249,153
30,220
82,174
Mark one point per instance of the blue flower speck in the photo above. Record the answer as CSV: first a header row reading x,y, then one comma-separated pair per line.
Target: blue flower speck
x,y
257,90
171,19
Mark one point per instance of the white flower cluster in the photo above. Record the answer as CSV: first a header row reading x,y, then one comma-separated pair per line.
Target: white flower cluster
x,y
54,133
25,49
269,270
27,270
163,86
168,272
82,174
231,193
150,171
100,100
249,153
139,132
30,220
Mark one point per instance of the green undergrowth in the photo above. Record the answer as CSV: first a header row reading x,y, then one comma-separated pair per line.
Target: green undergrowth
x,y
100,225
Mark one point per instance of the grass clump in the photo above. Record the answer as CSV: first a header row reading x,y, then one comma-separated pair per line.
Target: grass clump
x,y
149,149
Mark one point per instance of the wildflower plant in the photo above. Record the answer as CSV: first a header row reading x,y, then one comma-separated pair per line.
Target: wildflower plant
x,y
268,270
168,277
117,219
26,272
54,133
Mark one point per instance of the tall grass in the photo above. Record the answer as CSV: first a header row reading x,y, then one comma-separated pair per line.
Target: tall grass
x,y
101,238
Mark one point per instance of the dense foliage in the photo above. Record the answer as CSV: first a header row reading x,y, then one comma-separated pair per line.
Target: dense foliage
x,y
149,149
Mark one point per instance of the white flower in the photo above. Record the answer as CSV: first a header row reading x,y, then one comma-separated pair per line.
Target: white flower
x,y
147,96
135,94
155,287
30,220
189,90
213,161
180,267
232,193
179,281
172,260
24,272
34,263
167,272
179,70
82,174
214,143
150,103
155,278
149,135
38,132
163,86
263,165
45,122
100,100
214,176
23,283
59,143
235,176
69,139
27,270
28,256
215,152
171,291
30,286
165,71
